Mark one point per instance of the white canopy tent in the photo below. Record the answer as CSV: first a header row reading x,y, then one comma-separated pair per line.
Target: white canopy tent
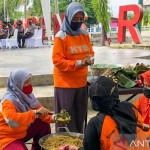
x,y
47,17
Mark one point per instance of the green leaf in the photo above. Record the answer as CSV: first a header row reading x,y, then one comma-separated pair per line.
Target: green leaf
x,y
125,81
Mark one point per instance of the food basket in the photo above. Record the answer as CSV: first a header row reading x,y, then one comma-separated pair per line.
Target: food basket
x,y
99,69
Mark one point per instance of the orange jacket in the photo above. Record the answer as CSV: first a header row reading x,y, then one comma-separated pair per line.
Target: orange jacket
x,y
8,134
143,104
66,51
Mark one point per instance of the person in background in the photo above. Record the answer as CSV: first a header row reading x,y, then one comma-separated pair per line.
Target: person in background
x,y
10,29
116,125
143,102
20,32
30,32
72,53
4,31
22,117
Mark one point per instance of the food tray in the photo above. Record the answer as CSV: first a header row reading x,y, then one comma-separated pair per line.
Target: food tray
x,y
99,69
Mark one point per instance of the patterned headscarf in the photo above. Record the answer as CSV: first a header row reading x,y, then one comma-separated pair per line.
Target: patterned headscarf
x,y
72,9
14,92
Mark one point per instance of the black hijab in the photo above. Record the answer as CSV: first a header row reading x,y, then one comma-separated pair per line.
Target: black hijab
x,y
105,99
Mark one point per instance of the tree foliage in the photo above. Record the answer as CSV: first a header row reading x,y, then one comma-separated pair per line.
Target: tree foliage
x,y
36,9
146,17
101,11
11,8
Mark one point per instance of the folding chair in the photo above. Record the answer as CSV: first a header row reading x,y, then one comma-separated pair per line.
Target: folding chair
x,y
0,44
29,41
36,39
12,42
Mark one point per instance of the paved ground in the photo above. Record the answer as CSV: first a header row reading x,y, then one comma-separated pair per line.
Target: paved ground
x,y
39,60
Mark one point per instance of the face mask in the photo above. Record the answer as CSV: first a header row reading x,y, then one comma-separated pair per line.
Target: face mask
x,y
27,89
146,92
75,25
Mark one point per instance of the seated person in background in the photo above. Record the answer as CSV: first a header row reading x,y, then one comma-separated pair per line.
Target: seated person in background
x,y
143,102
4,31
22,117
117,123
29,32
10,29
20,32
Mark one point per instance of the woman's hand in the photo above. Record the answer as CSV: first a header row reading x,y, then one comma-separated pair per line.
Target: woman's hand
x,y
43,111
73,147
89,60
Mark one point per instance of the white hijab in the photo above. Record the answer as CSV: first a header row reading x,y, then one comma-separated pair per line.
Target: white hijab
x,y
14,92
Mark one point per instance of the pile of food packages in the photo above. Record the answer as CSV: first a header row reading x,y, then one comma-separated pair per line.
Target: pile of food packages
x,y
127,76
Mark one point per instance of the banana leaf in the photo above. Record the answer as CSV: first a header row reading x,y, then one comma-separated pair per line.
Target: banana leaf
x,y
125,81
140,68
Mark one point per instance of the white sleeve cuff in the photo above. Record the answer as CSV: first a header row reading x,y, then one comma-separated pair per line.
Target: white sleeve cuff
x,y
35,111
79,63
54,117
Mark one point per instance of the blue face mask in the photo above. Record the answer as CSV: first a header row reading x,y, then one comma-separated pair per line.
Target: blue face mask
x,y
75,25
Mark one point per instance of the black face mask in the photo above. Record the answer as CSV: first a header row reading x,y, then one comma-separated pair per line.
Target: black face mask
x,y
75,25
146,92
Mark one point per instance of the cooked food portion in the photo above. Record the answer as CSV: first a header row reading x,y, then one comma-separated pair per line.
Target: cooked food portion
x,y
63,117
53,143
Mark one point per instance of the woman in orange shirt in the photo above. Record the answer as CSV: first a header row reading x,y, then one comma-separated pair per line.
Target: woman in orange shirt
x,y
22,117
117,126
143,102
72,53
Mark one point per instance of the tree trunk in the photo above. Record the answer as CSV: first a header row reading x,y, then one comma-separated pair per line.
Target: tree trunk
x,y
103,36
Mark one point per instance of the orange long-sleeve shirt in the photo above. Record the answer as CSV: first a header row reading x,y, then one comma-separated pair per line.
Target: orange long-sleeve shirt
x,y
143,104
67,51
8,134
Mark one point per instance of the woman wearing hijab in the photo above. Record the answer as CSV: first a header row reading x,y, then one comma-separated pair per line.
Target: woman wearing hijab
x,y
72,53
22,117
118,125
143,102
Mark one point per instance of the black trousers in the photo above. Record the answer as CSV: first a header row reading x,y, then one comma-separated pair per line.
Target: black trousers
x,y
2,37
19,39
26,36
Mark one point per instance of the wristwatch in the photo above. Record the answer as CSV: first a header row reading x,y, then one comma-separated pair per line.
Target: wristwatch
x,y
36,113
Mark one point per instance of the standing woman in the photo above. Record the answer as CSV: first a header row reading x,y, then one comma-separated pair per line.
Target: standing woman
x,y
72,54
